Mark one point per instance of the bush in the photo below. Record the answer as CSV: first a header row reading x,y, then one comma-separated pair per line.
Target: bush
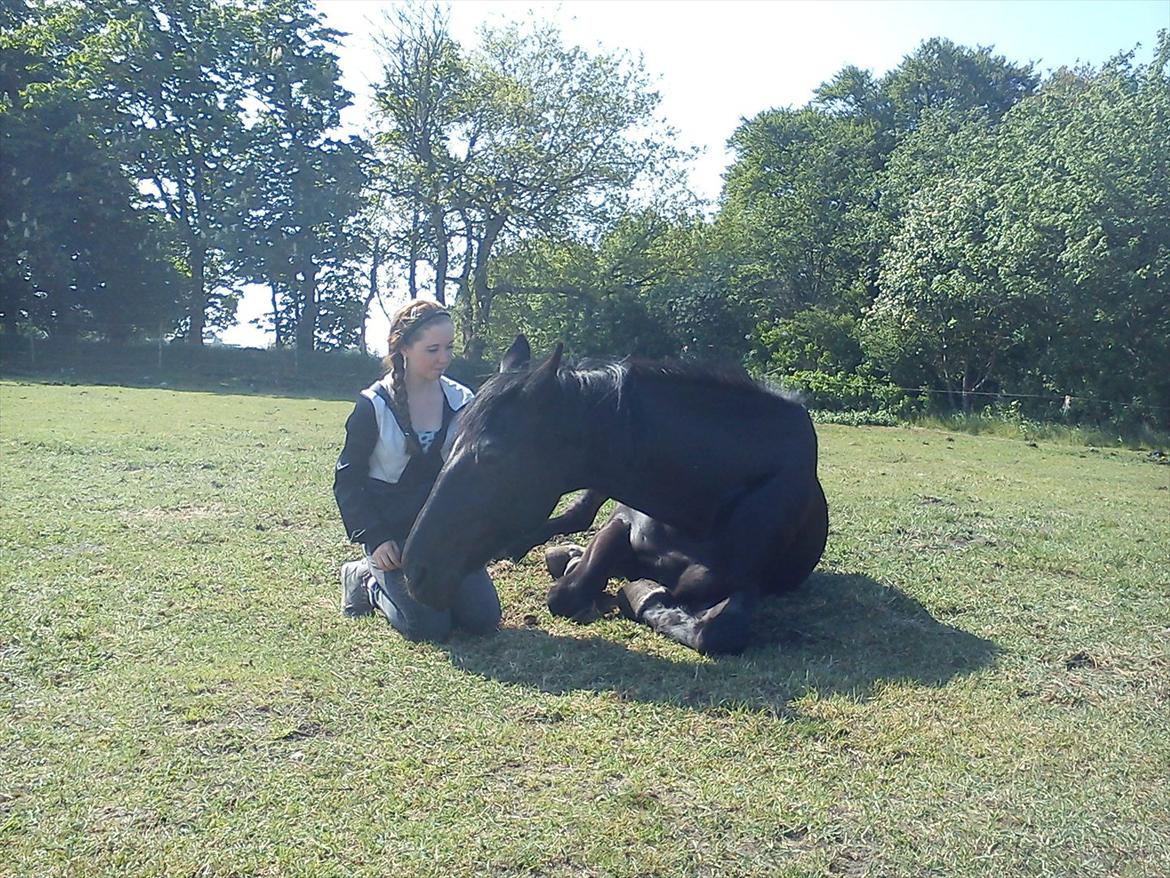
x,y
856,419
852,392
815,339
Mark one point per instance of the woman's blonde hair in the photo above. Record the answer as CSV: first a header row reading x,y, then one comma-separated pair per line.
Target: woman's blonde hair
x,y
404,327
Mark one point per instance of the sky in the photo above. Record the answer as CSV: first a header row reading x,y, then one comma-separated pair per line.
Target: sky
x,y
718,63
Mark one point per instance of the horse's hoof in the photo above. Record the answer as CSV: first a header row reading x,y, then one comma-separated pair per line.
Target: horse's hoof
x,y
634,597
587,615
560,560
567,602
724,630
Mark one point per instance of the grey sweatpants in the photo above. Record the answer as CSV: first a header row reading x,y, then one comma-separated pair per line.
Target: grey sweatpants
x,y
475,609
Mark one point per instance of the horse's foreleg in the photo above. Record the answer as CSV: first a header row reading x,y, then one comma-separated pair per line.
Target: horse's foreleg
x,y
578,516
579,587
722,629
561,559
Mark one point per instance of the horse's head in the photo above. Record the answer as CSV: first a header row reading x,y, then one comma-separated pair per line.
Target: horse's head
x,y
504,475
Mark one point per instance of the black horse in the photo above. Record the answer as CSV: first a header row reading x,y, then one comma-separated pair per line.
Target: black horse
x,y
715,476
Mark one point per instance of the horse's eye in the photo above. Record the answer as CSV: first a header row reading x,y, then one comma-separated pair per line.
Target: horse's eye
x,y
487,451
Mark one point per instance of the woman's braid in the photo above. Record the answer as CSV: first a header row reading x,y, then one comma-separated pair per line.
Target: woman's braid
x,y
402,325
400,403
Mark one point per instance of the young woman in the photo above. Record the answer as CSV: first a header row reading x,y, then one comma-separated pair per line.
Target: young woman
x,y
395,442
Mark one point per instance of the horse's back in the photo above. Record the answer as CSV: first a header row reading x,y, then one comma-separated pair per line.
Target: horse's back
x,y
724,432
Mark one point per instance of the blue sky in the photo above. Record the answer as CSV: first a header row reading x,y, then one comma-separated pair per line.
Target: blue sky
x,y
719,62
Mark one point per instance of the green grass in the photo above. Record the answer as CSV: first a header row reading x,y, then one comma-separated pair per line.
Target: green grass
x,y
1011,425
976,683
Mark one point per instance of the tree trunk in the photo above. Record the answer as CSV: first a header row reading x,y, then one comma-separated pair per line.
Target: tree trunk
x,y
307,325
439,229
412,261
471,348
481,292
371,293
197,304
276,326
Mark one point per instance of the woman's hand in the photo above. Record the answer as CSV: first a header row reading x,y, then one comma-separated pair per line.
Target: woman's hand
x,y
387,556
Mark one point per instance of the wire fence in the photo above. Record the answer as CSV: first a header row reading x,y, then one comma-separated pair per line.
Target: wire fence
x,y
335,374
1078,418
341,373
1064,401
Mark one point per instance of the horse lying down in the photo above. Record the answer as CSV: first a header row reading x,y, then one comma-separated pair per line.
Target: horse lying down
x,y
714,475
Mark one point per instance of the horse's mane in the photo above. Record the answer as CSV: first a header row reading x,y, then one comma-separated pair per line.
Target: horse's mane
x,y
607,378
699,373
722,376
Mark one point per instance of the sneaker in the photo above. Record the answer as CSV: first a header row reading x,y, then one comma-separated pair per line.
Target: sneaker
x,y
355,592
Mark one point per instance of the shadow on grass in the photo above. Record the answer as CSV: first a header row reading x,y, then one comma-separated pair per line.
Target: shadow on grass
x,y
836,634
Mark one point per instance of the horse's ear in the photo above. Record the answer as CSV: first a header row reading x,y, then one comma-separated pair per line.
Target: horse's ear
x,y
554,361
545,374
518,355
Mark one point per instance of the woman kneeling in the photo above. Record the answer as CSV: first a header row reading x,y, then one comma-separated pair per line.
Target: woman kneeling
x,y
396,439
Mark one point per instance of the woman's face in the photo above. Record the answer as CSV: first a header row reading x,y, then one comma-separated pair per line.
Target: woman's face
x,y
429,354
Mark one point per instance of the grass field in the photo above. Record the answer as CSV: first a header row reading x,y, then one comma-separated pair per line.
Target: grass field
x,y
977,681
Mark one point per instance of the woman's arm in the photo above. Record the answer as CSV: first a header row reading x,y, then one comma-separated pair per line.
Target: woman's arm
x,y
363,522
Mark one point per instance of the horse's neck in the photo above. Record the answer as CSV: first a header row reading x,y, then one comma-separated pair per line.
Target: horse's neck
x,y
593,409
613,457
642,448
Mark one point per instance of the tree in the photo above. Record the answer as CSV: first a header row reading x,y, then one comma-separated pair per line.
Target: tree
x,y
524,139
302,187
178,74
197,105
651,287
944,302
942,73
811,200
1085,224
1039,258
76,254
425,113
815,339
796,205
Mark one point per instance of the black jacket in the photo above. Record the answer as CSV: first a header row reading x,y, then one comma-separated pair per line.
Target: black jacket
x,y
374,509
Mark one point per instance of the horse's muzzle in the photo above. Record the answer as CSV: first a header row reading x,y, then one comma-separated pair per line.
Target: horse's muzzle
x,y
415,575
424,588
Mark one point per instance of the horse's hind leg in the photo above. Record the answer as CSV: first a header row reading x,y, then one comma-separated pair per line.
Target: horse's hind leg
x,y
722,629
804,552
765,526
583,582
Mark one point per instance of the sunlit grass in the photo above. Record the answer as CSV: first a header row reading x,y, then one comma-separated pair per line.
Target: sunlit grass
x,y
976,683
1028,430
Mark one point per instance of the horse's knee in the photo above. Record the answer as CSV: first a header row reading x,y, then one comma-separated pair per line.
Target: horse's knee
x,y
698,586
567,598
